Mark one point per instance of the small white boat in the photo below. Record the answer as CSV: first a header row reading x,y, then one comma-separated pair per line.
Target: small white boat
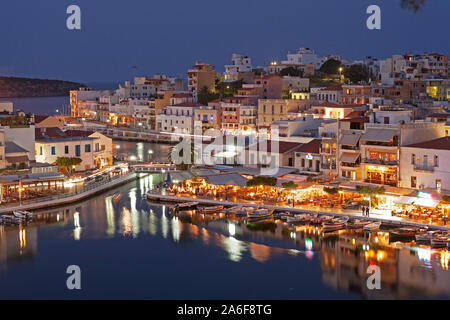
x,y
321,219
299,218
211,209
357,224
372,226
24,215
260,214
335,224
186,205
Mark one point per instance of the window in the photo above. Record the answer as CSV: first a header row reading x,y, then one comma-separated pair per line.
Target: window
x,y
77,150
87,148
97,147
41,151
310,163
436,161
66,149
413,159
303,162
53,150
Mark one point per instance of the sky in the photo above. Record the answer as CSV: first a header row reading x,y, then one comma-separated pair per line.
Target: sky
x,y
169,36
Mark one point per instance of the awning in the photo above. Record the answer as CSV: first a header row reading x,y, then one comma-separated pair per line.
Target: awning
x,y
426,202
404,200
350,139
349,157
224,179
379,135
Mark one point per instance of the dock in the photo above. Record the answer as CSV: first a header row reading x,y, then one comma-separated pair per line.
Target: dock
x,y
156,197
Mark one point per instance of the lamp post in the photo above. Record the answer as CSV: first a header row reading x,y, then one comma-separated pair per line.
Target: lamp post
x,y
340,74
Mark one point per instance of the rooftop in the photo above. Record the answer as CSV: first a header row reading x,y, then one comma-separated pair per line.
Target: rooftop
x,y
436,144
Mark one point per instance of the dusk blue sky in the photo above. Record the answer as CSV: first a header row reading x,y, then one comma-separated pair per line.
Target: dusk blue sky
x,y
169,36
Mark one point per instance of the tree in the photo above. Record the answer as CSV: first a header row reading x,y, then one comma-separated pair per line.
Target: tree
x,y
331,66
370,191
291,71
357,73
289,185
68,163
262,181
204,96
229,89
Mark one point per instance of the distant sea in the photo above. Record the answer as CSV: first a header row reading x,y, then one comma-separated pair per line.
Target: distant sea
x,y
50,105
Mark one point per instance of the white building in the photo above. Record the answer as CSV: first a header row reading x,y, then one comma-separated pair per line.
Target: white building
x,y
239,64
426,165
303,56
177,118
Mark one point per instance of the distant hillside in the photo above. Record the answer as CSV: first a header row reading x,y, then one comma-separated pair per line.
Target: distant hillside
x,y
12,87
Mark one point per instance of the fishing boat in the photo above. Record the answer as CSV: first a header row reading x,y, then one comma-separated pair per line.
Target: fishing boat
x,y
372,226
185,205
321,219
299,218
260,214
357,224
335,224
406,234
24,215
211,209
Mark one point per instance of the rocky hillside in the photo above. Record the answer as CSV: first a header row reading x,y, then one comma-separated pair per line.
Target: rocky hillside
x,y
12,87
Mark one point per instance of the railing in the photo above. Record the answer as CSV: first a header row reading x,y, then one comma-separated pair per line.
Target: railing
x,y
77,191
421,167
387,183
382,162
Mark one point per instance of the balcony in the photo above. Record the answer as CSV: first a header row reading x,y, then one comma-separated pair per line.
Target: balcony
x,y
325,166
386,183
380,162
423,168
350,165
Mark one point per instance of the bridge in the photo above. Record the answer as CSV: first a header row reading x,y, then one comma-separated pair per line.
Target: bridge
x,y
154,168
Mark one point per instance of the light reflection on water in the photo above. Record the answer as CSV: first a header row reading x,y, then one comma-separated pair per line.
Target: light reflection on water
x,y
340,260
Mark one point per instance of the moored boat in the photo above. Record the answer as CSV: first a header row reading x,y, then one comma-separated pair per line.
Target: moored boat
x,y
372,226
23,215
357,224
321,219
406,234
185,205
335,224
213,209
440,240
5,219
299,218
260,214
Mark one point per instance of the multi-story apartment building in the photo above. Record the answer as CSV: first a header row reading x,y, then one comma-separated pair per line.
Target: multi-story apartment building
x,y
331,94
270,110
426,165
209,116
177,118
272,85
85,97
140,89
247,119
202,75
328,149
355,94
240,69
230,117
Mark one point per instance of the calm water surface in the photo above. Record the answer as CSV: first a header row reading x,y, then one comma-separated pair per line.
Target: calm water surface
x,y
129,248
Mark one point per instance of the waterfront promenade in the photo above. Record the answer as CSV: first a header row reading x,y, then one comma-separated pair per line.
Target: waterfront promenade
x,y
153,196
79,194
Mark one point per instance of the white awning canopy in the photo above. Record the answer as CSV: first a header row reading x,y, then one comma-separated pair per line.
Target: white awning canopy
x,y
350,139
349,157
379,135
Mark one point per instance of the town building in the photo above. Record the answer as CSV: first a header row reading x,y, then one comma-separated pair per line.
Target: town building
x,y
202,75
240,69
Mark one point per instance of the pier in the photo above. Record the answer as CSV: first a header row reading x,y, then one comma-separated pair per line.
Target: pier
x,y
176,199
